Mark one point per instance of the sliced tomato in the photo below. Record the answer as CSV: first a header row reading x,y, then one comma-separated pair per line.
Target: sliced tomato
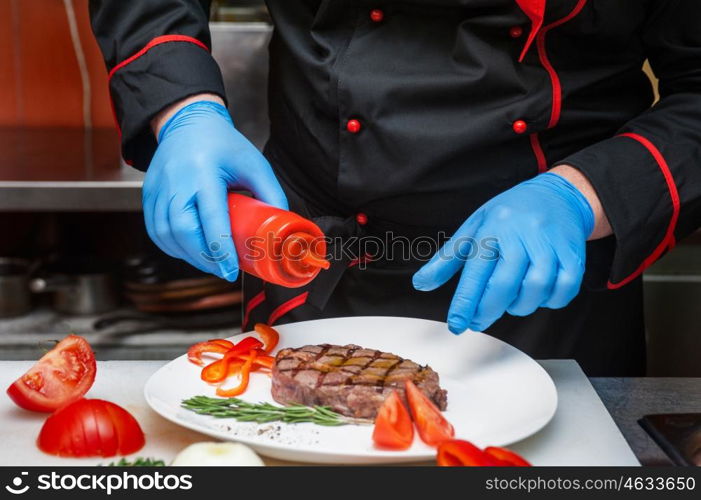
x,y
269,335
430,422
91,428
394,429
245,374
195,352
62,375
510,458
459,453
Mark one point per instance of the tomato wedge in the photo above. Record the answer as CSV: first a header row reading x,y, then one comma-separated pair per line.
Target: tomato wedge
x,y
243,383
459,453
269,335
394,429
510,458
430,422
62,375
91,428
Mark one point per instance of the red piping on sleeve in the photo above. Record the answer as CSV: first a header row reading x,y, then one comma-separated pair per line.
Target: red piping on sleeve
x,y
539,154
156,41
668,241
255,301
545,61
286,307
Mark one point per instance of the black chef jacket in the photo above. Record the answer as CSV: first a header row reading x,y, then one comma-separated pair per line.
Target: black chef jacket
x,y
406,116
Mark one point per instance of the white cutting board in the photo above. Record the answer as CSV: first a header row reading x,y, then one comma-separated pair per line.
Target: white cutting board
x,y
581,433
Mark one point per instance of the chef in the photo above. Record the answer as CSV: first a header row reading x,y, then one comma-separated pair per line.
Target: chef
x,y
522,128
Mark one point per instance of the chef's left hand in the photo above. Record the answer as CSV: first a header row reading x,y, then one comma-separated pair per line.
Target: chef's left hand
x,y
537,233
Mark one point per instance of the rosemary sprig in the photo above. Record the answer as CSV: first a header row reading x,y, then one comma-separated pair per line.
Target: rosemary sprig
x,y
138,462
265,412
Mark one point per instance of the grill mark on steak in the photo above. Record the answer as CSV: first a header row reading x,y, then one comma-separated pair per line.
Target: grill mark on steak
x,y
390,370
349,379
320,355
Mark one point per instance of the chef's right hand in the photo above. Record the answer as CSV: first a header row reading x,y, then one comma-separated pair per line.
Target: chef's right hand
x,y
201,156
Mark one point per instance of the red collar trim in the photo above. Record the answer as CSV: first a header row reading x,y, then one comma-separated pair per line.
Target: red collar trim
x,y
535,10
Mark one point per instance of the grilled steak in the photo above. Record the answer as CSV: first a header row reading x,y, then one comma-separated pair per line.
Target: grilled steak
x,y
349,379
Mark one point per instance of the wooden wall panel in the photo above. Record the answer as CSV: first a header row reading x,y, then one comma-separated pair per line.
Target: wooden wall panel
x,y
9,103
100,104
44,88
52,92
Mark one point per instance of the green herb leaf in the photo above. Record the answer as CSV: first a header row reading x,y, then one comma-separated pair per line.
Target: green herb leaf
x,y
137,462
265,412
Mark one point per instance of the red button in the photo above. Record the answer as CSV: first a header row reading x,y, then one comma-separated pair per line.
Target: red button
x,y
520,126
377,15
516,31
353,126
361,218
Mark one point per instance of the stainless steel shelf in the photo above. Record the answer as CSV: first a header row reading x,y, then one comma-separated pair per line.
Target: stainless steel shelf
x,y
65,169
73,196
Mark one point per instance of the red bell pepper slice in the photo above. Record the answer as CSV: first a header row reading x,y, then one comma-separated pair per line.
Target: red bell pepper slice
x,y
243,383
459,453
430,422
217,371
510,458
261,361
394,429
223,342
269,335
247,344
195,352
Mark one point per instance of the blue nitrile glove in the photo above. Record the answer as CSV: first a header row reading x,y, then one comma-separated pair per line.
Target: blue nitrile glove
x,y
539,229
201,156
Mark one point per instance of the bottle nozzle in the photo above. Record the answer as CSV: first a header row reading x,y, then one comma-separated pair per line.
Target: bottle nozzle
x,y
311,259
299,255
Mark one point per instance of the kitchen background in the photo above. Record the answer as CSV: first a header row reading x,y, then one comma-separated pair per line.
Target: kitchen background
x,y
74,254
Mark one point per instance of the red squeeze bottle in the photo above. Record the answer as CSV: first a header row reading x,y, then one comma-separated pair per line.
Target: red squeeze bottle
x,y
275,245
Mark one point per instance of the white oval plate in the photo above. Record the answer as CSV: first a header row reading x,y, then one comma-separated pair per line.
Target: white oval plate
x,y
497,395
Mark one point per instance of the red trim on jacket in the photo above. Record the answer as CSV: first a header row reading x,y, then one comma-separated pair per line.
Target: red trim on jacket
x,y
286,307
539,154
360,260
255,301
543,56
156,41
668,241
535,10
